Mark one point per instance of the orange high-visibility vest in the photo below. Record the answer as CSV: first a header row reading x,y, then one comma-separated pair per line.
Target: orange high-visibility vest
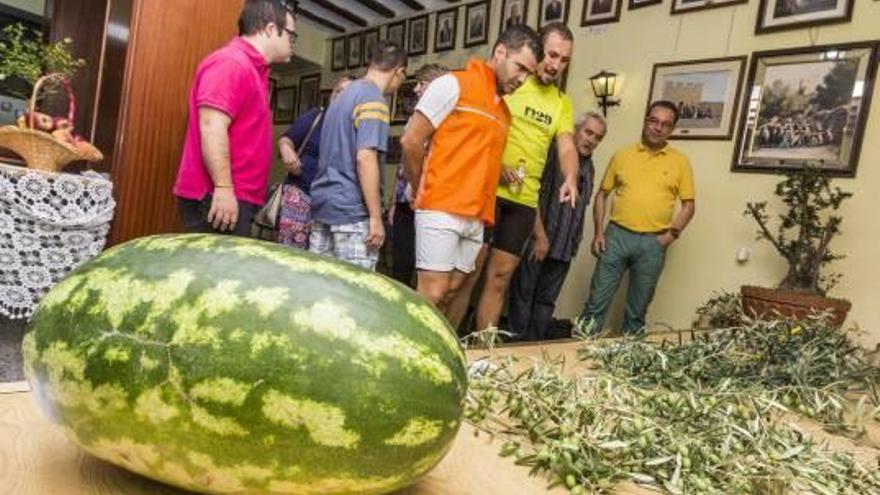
x,y
463,165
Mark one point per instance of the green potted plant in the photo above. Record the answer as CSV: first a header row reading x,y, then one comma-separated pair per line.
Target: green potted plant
x,y
25,57
803,237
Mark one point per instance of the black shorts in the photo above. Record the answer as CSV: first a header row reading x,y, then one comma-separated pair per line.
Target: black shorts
x,y
513,226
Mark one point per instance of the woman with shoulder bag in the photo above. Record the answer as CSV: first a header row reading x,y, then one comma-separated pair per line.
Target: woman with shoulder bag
x,y
300,148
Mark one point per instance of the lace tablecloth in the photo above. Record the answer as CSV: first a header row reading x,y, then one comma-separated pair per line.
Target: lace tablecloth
x,y
49,224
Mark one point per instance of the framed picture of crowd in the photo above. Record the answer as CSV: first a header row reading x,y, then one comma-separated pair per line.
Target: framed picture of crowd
x,y
396,33
404,103
513,12
309,97
445,30
600,12
778,15
418,36
284,109
476,24
338,55
553,11
683,6
806,106
706,93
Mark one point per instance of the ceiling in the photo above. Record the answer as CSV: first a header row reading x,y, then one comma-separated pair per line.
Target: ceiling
x,y
335,17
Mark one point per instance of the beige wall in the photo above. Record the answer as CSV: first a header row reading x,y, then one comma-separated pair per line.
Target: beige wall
x,y
704,259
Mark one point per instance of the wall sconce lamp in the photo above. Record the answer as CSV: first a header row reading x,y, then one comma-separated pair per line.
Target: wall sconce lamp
x,y
603,89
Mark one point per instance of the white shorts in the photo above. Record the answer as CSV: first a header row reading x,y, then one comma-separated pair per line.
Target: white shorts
x,y
446,242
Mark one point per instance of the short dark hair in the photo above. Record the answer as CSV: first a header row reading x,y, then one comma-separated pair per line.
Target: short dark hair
x,y
520,36
257,14
387,56
664,104
555,27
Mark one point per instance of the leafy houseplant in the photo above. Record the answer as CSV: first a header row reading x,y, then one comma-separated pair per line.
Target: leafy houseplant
x,y
802,237
25,57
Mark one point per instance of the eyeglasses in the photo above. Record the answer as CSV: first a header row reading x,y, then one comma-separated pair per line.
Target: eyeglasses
x,y
663,124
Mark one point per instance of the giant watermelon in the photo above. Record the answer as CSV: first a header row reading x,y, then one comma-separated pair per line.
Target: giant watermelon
x,y
227,365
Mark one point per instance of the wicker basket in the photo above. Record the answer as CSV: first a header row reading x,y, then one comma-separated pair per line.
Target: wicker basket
x,y
41,150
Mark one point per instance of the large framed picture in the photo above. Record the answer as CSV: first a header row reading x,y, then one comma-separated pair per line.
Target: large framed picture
x,y
337,61
553,11
637,4
396,33
600,12
513,12
806,106
476,24
418,35
778,15
445,30
371,39
682,6
706,93
309,86
404,103
355,56
284,109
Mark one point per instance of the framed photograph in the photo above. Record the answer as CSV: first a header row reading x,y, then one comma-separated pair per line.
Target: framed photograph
x,y
706,93
778,15
355,56
371,39
309,86
682,6
404,103
396,33
637,4
284,109
476,24
806,106
418,35
513,12
338,57
553,11
324,97
600,12
445,30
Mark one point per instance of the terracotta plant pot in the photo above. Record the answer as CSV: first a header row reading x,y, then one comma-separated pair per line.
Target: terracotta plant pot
x,y
759,301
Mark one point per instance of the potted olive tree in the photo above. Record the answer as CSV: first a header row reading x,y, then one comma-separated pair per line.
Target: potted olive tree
x,y
803,237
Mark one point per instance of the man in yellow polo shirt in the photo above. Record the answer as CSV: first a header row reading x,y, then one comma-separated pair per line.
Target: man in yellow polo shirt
x,y
541,115
646,180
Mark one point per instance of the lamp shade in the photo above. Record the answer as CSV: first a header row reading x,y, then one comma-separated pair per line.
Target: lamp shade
x,y
603,84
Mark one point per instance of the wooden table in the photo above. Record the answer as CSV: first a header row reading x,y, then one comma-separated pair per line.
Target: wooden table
x,y
37,459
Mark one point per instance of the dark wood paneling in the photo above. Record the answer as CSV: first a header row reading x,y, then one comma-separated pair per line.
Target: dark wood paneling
x,y
167,40
83,22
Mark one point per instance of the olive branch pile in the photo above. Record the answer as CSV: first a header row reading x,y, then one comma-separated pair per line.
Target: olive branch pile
x,y
717,415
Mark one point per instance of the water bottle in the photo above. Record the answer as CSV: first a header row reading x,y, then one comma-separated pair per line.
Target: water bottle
x,y
515,187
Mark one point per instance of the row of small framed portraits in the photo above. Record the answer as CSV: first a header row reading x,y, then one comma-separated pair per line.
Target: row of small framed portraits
x,y
288,102
353,51
773,15
803,106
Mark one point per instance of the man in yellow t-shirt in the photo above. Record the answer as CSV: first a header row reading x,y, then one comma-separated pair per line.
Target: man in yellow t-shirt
x,y
646,180
541,114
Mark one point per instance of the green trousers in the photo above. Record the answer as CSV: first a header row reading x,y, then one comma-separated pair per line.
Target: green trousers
x,y
643,256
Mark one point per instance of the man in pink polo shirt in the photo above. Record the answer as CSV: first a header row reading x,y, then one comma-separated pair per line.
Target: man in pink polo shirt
x,y
227,154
